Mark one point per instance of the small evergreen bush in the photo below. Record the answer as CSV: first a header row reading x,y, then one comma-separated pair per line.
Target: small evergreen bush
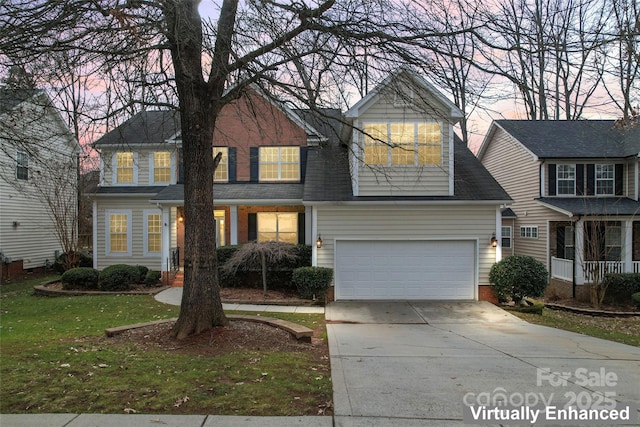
x,y
152,278
85,261
118,277
518,276
142,273
312,281
80,278
620,286
636,299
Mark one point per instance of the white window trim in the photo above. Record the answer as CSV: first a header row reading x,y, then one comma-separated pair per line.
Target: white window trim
x,y
145,216
558,180
532,228
415,144
280,163
152,168
107,232
215,152
277,224
612,180
18,165
510,237
114,167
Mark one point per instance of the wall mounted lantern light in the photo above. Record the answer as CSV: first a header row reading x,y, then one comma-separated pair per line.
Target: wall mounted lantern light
x,y
319,242
494,241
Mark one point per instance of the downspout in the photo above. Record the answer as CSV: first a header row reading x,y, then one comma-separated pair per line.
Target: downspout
x,y
573,284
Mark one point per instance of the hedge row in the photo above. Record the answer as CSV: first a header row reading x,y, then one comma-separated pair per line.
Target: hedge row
x,y
118,277
620,286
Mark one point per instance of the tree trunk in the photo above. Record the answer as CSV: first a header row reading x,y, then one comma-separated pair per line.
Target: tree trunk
x,y
263,261
201,306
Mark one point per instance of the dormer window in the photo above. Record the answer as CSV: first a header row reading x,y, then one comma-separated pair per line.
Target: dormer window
x,y
403,144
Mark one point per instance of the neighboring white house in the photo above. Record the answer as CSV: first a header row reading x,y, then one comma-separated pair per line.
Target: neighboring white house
x,y
37,152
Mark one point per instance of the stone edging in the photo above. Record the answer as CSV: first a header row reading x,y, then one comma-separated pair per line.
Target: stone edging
x,y
591,311
44,291
301,333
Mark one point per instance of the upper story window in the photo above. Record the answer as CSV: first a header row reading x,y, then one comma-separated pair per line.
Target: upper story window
x,y
566,180
222,171
22,165
161,167
506,237
605,179
402,143
279,163
125,170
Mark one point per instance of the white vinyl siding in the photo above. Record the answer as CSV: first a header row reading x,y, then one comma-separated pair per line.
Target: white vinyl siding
x,y
137,207
437,223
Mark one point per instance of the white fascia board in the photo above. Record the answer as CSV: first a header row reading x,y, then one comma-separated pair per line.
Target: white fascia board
x,y
408,203
555,208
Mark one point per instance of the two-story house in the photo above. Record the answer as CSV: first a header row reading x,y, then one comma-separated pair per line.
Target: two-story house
x,y
575,191
38,191
258,184
387,195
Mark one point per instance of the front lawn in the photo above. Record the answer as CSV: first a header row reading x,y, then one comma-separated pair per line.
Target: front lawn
x,y
56,359
624,330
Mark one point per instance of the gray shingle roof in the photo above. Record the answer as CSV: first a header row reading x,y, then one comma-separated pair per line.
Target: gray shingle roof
x,y
328,178
10,98
574,139
238,191
130,190
594,205
146,127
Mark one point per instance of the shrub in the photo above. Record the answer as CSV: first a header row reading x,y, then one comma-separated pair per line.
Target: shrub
x,y
142,272
518,276
118,277
636,299
80,278
312,281
620,286
152,278
60,262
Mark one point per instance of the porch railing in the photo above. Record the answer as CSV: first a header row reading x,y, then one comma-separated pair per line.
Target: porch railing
x,y
562,268
174,259
636,266
597,269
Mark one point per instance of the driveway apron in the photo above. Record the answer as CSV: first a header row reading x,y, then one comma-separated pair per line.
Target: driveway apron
x,y
419,363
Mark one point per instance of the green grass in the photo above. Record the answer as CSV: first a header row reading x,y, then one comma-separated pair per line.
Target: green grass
x,y
56,358
618,329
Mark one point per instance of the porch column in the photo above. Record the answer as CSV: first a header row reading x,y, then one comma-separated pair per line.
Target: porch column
x,y
308,229
166,237
499,234
314,236
579,251
233,224
627,255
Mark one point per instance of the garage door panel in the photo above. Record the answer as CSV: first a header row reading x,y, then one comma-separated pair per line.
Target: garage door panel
x,y
405,269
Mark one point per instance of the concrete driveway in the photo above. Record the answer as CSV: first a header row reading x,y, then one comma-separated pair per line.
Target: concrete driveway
x,y
419,363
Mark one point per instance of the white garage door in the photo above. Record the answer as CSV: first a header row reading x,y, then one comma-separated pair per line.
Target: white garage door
x,y
404,270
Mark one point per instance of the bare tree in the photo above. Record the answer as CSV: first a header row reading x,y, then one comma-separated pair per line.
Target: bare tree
x,y
210,65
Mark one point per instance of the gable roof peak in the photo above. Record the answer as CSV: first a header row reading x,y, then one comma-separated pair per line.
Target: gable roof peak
x,y
404,76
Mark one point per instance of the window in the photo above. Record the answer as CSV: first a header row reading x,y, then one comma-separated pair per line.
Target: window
x,y
506,237
153,233
279,163
605,179
613,242
22,165
219,216
529,232
566,180
569,244
402,143
278,226
118,232
222,171
125,168
161,167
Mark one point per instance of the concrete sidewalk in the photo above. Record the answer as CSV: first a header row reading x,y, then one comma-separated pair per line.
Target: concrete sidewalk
x,y
172,296
141,420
